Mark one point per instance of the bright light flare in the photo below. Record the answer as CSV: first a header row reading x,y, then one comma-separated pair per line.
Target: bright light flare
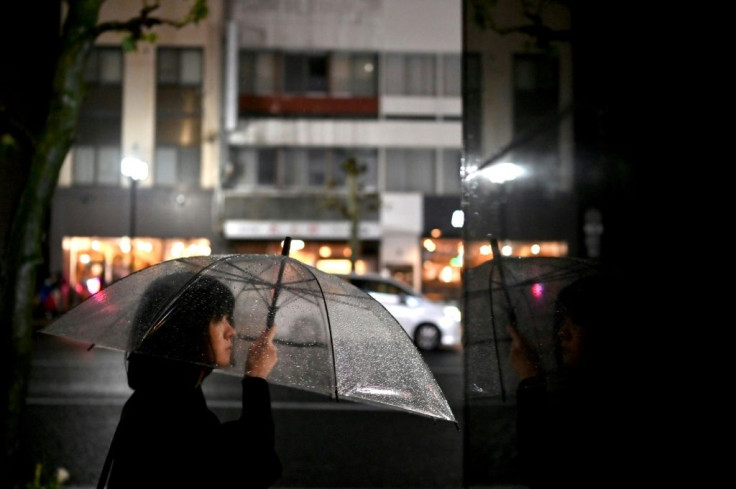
x,y
503,172
94,285
537,290
134,168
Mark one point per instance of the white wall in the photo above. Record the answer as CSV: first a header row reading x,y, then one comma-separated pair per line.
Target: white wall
x,y
402,219
376,25
402,134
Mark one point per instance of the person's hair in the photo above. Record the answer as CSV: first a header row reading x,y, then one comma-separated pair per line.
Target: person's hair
x,y
589,303
170,341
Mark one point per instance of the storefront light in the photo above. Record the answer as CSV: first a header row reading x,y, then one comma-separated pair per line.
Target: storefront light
x,y
296,245
458,219
446,274
457,260
429,245
94,285
334,265
177,249
144,246
125,245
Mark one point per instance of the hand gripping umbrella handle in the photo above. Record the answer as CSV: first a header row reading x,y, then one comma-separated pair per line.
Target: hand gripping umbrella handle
x,y
277,289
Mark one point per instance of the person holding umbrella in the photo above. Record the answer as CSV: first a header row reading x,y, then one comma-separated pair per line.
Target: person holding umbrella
x,y
567,421
167,436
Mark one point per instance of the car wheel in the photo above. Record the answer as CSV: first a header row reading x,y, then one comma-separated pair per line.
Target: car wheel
x,y
427,337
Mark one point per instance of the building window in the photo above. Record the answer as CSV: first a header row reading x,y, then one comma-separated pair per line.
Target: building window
x,y
257,73
450,171
297,167
178,117
306,73
266,167
410,74
536,102
340,73
353,74
314,84
410,170
96,165
96,155
451,75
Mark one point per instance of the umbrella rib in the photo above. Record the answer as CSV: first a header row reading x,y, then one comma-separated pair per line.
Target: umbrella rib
x,y
495,340
572,271
329,330
254,280
299,344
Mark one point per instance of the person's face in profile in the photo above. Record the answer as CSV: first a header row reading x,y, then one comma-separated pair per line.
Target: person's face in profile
x,y
571,339
221,339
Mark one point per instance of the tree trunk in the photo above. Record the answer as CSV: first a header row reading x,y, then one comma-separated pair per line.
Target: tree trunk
x,y
23,251
354,216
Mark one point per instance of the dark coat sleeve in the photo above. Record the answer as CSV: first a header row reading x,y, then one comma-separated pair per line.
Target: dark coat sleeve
x,y
249,442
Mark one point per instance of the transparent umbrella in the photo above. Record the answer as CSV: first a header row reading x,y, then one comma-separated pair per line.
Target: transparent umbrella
x,y
518,292
332,338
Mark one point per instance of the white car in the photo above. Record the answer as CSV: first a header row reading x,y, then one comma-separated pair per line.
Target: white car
x,y
431,324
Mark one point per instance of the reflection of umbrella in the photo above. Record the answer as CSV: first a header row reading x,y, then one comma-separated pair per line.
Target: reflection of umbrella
x,y
519,292
332,338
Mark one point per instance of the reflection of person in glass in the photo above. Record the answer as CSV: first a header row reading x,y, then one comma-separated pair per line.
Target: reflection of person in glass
x,y
167,436
563,417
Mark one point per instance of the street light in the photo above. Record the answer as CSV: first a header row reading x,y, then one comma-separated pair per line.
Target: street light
x,y
137,170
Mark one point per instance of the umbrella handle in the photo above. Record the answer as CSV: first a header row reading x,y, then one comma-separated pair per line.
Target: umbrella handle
x,y
495,249
277,289
512,313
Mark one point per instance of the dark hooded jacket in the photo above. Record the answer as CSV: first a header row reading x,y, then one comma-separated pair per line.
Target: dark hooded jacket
x,y
167,436
571,423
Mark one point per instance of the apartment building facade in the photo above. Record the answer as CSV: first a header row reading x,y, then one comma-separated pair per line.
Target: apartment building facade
x,y
159,105
247,119
313,84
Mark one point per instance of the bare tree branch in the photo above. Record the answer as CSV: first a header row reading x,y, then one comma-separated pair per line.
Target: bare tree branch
x,y
485,16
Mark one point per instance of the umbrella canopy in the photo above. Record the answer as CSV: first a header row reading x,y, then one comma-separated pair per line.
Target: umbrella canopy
x,y
518,292
332,338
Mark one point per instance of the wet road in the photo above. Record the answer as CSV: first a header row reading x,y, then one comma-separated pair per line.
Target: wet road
x,y
75,398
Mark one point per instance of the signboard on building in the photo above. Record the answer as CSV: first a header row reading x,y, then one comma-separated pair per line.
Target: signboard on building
x,y
249,229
